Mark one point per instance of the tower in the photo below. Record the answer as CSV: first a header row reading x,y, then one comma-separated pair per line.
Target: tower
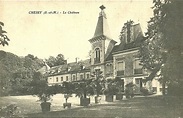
x,y
101,43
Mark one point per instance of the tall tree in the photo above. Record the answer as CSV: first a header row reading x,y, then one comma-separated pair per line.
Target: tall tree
x,y
16,73
163,47
59,60
3,37
51,61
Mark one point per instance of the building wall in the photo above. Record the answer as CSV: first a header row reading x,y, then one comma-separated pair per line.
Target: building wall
x,y
129,58
58,79
156,86
109,70
83,74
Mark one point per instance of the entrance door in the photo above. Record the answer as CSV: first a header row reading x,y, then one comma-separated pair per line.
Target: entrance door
x,y
122,85
138,83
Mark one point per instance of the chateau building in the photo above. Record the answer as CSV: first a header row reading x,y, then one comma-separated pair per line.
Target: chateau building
x,y
115,61
74,71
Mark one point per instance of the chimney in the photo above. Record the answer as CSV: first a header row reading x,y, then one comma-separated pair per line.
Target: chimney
x,y
76,59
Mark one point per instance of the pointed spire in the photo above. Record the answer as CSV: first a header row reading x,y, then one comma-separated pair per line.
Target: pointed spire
x,y
102,13
102,26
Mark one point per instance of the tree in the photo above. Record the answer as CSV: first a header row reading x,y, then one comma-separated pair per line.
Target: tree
x,y
3,37
59,60
68,89
40,88
98,84
16,73
84,88
163,48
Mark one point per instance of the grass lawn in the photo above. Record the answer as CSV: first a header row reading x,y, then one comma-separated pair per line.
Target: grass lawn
x,y
30,104
141,107
138,107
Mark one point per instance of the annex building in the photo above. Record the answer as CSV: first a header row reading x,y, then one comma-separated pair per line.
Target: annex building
x,y
115,61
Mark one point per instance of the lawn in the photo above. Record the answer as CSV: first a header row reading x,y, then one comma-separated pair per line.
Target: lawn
x,y
138,107
30,104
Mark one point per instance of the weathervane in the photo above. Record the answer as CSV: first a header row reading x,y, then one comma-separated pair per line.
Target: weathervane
x,y
102,7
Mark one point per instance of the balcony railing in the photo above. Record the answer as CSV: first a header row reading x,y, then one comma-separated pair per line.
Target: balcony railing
x,y
120,72
138,71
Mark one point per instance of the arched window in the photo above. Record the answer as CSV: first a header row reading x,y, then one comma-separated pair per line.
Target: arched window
x,y
97,55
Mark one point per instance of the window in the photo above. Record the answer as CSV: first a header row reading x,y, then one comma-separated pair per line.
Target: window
x,y
81,77
136,64
154,89
61,78
138,82
67,78
137,67
87,76
109,69
120,68
56,79
97,55
73,77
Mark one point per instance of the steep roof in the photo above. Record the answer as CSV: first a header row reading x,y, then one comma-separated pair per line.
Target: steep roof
x,y
138,38
110,56
102,27
72,67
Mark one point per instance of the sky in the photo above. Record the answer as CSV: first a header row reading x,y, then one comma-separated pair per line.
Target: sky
x,y
45,35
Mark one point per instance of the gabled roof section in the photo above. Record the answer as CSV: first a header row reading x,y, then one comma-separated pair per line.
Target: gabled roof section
x,y
102,27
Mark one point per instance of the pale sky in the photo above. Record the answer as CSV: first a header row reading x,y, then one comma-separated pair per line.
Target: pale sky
x,y
45,35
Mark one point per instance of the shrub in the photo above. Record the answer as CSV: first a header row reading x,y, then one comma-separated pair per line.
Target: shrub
x,y
129,90
8,111
175,89
144,91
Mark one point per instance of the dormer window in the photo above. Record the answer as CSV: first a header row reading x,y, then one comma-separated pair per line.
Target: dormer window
x,y
82,67
69,69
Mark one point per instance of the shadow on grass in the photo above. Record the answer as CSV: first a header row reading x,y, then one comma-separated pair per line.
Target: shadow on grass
x,y
142,107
